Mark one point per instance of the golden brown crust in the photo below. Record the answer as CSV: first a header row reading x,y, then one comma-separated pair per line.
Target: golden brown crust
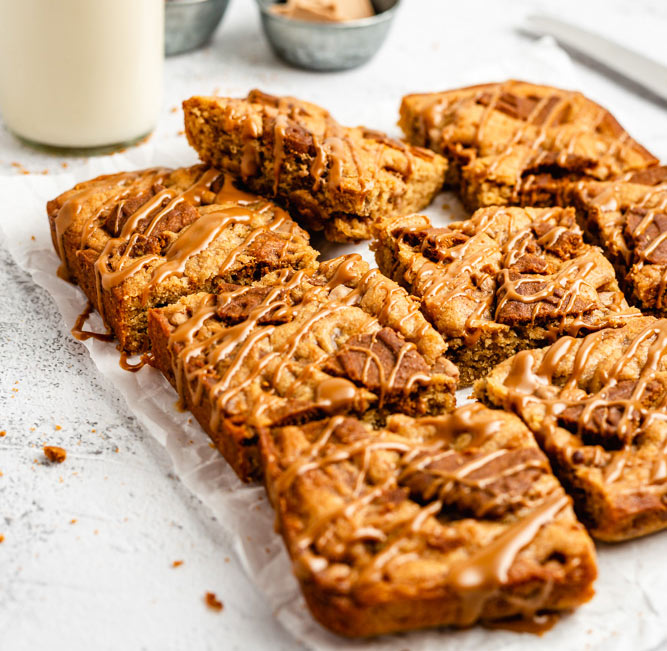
x,y
518,143
140,239
339,179
296,346
504,280
597,406
437,521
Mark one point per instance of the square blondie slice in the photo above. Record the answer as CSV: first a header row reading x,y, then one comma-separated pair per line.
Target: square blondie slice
x,y
142,239
442,521
517,143
506,279
628,219
598,408
296,346
336,178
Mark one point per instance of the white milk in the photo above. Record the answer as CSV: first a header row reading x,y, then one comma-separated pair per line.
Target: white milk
x,y
81,73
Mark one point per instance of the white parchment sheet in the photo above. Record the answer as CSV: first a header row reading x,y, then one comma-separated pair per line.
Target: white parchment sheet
x,y
630,608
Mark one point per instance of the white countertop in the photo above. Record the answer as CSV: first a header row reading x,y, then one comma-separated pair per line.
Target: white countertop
x,y
87,558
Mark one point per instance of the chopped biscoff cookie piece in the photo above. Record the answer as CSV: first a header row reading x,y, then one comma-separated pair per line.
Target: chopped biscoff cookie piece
x,y
628,219
54,453
340,179
518,143
598,408
504,280
137,240
441,521
297,346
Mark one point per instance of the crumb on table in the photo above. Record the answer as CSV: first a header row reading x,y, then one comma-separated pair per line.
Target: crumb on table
x,y
177,563
55,453
213,602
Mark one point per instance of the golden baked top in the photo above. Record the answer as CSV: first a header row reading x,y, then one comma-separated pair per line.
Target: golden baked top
x,y
598,407
502,268
460,511
514,133
338,178
299,344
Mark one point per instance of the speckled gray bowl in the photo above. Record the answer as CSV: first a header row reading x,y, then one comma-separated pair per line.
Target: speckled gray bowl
x,y
327,46
189,24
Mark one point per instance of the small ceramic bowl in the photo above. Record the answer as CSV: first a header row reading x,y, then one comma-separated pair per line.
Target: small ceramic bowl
x,y
327,46
189,24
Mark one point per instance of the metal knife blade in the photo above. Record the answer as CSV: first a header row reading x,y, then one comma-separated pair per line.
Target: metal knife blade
x,y
634,66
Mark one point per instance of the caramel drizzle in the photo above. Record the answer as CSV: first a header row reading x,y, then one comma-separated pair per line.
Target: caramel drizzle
x,y
225,350
525,385
460,271
483,572
146,358
121,185
487,570
82,335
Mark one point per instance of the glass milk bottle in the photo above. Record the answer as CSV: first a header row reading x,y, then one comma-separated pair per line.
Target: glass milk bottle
x,y
81,74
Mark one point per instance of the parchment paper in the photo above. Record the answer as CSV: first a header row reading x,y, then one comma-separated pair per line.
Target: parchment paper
x,y
630,608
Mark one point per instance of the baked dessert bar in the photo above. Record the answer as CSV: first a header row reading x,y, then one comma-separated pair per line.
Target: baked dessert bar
x,y
598,408
296,346
628,219
335,178
517,143
143,239
506,279
439,521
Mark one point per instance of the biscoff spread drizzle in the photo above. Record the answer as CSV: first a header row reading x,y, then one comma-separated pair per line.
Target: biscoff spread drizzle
x,y
481,267
345,463
82,335
548,122
338,153
119,186
531,382
223,360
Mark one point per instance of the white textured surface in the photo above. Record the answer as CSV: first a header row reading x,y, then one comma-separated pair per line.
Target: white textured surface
x,y
105,581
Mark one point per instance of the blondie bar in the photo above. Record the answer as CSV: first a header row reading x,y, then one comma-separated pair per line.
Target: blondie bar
x,y
296,346
143,239
506,279
447,520
335,178
628,219
598,408
517,143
